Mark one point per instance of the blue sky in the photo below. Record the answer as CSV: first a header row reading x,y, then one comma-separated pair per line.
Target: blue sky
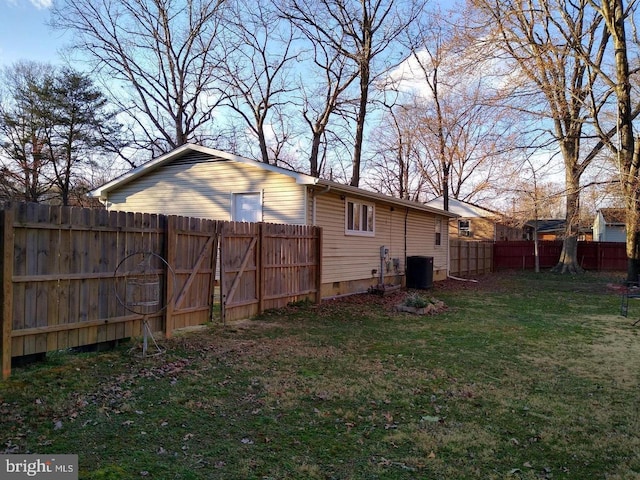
x,y
24,34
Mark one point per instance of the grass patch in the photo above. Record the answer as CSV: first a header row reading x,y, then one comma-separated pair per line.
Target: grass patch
x,y
523,376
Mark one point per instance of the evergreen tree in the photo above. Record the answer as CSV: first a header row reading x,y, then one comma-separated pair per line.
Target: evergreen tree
x,y
82,129
23,132
54,125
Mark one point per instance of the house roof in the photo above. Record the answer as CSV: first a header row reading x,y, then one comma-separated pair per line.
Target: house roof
x,y
613,215
555,225
548,225
355,191
300,178
464,209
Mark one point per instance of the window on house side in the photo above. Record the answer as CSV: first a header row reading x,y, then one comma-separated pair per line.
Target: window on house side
x,y
464,229
360,218
438,231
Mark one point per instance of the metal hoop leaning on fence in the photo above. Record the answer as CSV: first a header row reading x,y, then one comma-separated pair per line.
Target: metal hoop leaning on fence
x,y
138,288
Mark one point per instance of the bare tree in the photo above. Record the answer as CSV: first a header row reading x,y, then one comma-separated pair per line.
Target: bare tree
x,y
258,49
548,43
626,149
395,167
322,96
360,31
429,59
463,132
158,57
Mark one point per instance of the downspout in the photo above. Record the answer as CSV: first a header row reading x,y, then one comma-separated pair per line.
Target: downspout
x,y
406,216
446,222
314,220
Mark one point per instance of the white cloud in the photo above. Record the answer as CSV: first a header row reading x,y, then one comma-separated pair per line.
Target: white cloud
x,y
40,4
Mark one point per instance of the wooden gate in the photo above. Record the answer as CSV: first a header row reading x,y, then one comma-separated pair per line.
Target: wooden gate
x,y
191,255
265,266
239,272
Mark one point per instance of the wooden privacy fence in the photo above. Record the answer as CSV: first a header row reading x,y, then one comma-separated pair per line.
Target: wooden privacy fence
x,y
476,258
520,255
59,273
601,256
469,258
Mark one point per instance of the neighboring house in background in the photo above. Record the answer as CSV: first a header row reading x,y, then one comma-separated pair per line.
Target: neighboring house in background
x,y
477,223
553,230
609,225
202,182
548,228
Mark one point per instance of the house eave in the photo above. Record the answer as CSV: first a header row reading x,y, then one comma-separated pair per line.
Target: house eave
x,y
365,194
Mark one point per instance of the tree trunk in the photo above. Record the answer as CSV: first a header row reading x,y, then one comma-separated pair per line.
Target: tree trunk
x,y
568,262
568,256
362,116
633,259
314,169
264,152
632,236
536,246
628,150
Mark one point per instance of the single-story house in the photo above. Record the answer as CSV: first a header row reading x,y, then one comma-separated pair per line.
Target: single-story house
x,y
478,223
197,181
609,225
553,229
548,228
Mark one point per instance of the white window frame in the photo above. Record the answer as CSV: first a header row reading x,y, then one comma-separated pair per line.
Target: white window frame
x,y
364,228
464,231
234,204
437,229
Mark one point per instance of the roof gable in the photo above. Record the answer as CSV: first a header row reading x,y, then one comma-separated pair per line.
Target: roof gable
x,y
179,153
613,215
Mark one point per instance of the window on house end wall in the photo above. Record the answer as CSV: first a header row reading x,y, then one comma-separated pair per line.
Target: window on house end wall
x,y
359,218
438,231
464,228
246,207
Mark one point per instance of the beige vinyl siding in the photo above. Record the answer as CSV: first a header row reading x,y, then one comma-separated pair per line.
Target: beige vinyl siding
x,y
348,257
421,238
204,189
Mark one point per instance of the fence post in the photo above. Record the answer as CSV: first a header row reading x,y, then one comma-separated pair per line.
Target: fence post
x,y
7,217
318,232
214,268
171,235
477,258
260,259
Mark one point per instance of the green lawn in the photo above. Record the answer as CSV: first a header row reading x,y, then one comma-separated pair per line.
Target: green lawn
x,y
523,376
